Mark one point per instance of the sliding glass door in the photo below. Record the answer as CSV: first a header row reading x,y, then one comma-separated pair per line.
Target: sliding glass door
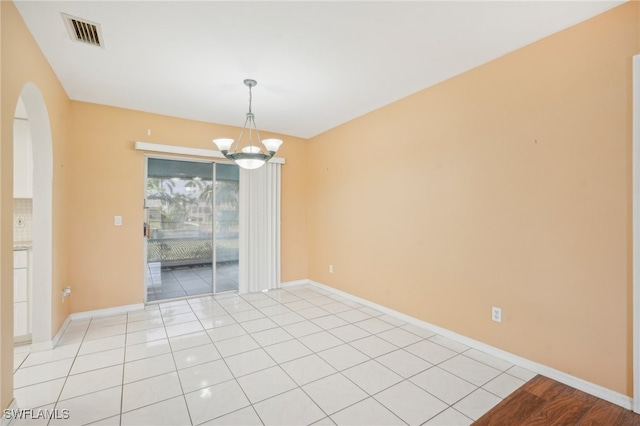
x,y
191,208
227,227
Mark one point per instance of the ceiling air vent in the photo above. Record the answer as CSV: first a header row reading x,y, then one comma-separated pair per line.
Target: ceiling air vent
x,y
83,31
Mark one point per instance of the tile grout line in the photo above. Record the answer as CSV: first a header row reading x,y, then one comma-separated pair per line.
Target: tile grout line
x,y
374,359
258,306
277,364
337,371
288,375
298,386
175,364
233,375
394,326
124,362
71,367
408,378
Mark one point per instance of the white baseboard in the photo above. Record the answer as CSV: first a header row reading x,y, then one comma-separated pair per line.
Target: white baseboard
x,y
105,312
293,283
50,344
41,346
12,406
569,380
60,332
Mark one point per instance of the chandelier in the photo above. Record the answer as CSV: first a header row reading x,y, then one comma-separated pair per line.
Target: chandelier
x,y
252,155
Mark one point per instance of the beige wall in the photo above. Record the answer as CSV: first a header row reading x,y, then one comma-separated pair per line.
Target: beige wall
x,y
23,62
107,179
508,186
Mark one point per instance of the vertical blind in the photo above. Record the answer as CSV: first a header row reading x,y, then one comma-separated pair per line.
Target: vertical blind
x,y
260,228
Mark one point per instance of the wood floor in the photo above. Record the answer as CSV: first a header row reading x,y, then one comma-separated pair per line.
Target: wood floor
x,y
542,401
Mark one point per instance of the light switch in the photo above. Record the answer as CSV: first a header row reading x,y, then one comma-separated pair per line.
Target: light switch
x,y
117,220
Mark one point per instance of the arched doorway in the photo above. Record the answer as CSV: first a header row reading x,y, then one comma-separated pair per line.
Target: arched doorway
x,y
40,128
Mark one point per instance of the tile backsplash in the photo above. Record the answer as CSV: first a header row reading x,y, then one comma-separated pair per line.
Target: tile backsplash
x,y
22,219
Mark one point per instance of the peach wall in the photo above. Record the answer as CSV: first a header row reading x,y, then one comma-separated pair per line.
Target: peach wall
x,y
107,179
23,62
508,186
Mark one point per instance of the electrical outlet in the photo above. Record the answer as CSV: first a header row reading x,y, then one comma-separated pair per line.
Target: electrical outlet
x,y
66,292
496,314
117,220
331,269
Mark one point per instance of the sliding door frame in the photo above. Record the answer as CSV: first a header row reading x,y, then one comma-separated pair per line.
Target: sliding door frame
x,y
213,162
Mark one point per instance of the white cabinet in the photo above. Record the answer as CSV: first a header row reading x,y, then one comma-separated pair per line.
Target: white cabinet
x,y
20,259
21,295
20,277
20,319
22,160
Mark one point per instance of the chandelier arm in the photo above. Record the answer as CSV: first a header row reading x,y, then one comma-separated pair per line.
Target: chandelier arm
x,y
252,128
242,132
257,135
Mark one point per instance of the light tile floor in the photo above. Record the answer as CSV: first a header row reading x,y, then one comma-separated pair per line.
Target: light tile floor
x,y
295,356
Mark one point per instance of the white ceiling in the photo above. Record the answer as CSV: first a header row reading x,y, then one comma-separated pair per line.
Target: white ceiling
x,y
318,64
